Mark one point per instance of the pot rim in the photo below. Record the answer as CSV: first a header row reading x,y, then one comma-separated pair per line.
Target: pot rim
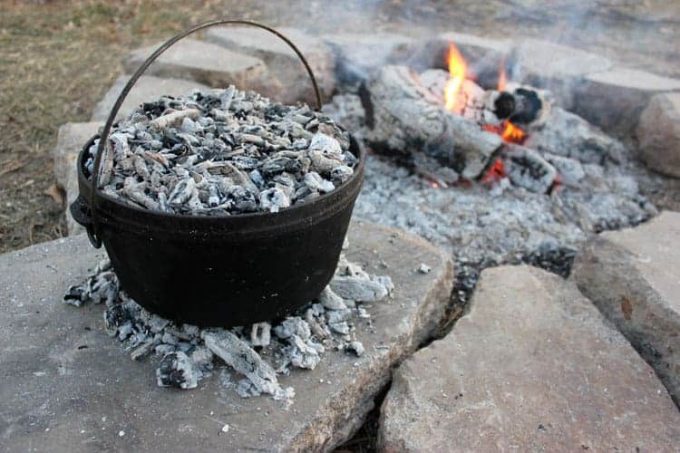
x,y
111,211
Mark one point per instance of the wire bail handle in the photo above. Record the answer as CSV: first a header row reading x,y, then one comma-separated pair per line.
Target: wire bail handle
x,y
103,140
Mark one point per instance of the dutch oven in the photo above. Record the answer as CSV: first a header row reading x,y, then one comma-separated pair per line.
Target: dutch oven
x,y
217,271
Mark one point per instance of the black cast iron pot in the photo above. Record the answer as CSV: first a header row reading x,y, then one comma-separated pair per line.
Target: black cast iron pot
x,y
218,271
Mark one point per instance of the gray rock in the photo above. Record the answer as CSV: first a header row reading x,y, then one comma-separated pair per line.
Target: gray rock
x,y
203,62
70,140
532,367
632,277
288,82
559,68
147,88
359,56
658,134
614,100
58,395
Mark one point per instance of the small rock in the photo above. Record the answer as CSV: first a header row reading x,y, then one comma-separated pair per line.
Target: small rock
x,y
424,268
658,133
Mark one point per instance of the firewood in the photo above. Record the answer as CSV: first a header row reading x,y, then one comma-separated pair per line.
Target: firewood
x,y
405,117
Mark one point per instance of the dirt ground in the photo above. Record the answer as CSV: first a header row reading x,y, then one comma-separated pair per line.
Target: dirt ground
x,y
57,58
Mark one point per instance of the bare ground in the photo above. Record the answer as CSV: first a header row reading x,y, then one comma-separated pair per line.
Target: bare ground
x,y
57,58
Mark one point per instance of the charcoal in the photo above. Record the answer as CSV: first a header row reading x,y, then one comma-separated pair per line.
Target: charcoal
x,y
356,347
358,289
189,354
223,152
330,300
177,370
242,358
261,334
526,168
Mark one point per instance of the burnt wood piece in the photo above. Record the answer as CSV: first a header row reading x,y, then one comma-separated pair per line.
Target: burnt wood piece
x,y
407,118
527,168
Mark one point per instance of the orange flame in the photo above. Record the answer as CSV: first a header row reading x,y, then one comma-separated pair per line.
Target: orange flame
x,y
502,77
457,71
512,133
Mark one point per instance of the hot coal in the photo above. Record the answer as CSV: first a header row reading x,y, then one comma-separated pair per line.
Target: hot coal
x,y
255,354
223,152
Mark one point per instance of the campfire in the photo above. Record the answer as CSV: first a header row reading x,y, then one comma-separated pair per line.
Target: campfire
x,y
455,131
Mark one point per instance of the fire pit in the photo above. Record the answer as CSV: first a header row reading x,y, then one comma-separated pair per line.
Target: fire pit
x,y
236,266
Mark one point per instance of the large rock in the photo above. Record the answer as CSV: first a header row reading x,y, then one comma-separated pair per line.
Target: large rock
x,y
359,56
559,68
288,81
203,62
67,386
70,140
615,99
147,88
633,276
484,56
658,134
532,367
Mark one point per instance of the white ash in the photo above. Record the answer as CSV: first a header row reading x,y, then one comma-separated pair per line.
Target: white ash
x,y
257,354
223,152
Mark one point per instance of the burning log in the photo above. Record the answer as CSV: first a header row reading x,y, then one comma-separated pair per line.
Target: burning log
x,y
405,117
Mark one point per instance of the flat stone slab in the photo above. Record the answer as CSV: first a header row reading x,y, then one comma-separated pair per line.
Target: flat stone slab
x,y
70,140
67,386
633,276
614,99
658,134
147,88
203,62
358,56
532,367
288,81
558,68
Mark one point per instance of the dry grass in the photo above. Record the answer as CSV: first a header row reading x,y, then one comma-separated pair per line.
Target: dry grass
x,y
56,60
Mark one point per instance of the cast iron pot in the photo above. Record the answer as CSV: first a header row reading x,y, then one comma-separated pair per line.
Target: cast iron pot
x,y
217,271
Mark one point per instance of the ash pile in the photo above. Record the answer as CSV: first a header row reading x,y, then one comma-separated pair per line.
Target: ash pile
x,y
498,174
222,152
249,359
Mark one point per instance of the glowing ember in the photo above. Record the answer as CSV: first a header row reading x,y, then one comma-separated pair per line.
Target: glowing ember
x,y
457,71
495,173
509,131
512,133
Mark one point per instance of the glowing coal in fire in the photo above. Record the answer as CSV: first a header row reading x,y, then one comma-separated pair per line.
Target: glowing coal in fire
x,y
457,72
455,92
509,132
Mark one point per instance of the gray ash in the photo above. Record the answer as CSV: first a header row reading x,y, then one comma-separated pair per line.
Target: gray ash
x,y
223,152
255,354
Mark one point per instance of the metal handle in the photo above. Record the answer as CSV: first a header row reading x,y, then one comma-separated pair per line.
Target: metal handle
x,y
103,140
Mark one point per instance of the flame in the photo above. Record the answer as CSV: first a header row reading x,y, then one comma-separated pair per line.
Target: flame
x,y
457,71
512,133
502,77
